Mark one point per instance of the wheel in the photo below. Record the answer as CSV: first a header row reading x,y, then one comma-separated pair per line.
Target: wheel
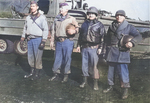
x,y
6,46
3,46
21,50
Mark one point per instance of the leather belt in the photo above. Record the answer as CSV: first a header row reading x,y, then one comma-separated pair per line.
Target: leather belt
x,y
91,46
28,37
61,39
115,45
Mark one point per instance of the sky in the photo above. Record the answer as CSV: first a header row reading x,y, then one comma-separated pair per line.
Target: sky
x,y
135,9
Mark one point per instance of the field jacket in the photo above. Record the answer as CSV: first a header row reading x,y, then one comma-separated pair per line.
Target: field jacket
x,y
92,33
58,28
39,27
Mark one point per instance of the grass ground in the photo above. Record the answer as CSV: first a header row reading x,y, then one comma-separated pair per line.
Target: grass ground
x,y
15,89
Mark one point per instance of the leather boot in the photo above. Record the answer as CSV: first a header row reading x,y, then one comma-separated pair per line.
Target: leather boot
x,y
110,88
65,79
31,73
54,77
96,84
36,74
84,82
125,93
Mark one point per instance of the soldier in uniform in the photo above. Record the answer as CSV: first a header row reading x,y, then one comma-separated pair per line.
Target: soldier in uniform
x,y
117,53
36,31
91,43
63,37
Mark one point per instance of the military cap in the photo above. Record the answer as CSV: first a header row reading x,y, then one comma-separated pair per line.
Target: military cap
x,y
120,12
33,2
63,4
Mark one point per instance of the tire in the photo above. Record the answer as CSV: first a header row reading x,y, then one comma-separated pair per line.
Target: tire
x,y
20,50
6,46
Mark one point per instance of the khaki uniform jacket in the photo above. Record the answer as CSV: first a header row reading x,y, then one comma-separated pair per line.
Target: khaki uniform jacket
x,y
58,29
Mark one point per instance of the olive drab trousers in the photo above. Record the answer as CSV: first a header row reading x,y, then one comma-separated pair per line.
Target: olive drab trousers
x,y
89,62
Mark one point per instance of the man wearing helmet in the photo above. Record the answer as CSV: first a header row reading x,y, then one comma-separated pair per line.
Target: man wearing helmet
x,y
63,41
91,43
118,56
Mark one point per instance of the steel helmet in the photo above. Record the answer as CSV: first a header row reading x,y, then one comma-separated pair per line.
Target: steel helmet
x,y
92,10
125,39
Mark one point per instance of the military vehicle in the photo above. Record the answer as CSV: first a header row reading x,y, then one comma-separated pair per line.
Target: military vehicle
x,y
11,28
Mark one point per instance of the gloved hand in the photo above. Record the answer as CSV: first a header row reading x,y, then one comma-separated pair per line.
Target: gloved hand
x,y
42,45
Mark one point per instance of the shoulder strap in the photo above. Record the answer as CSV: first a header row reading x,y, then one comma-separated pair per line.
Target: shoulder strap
x,y
119,36
35,21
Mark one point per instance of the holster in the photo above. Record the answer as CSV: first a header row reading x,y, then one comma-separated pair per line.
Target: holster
x,y
27,37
